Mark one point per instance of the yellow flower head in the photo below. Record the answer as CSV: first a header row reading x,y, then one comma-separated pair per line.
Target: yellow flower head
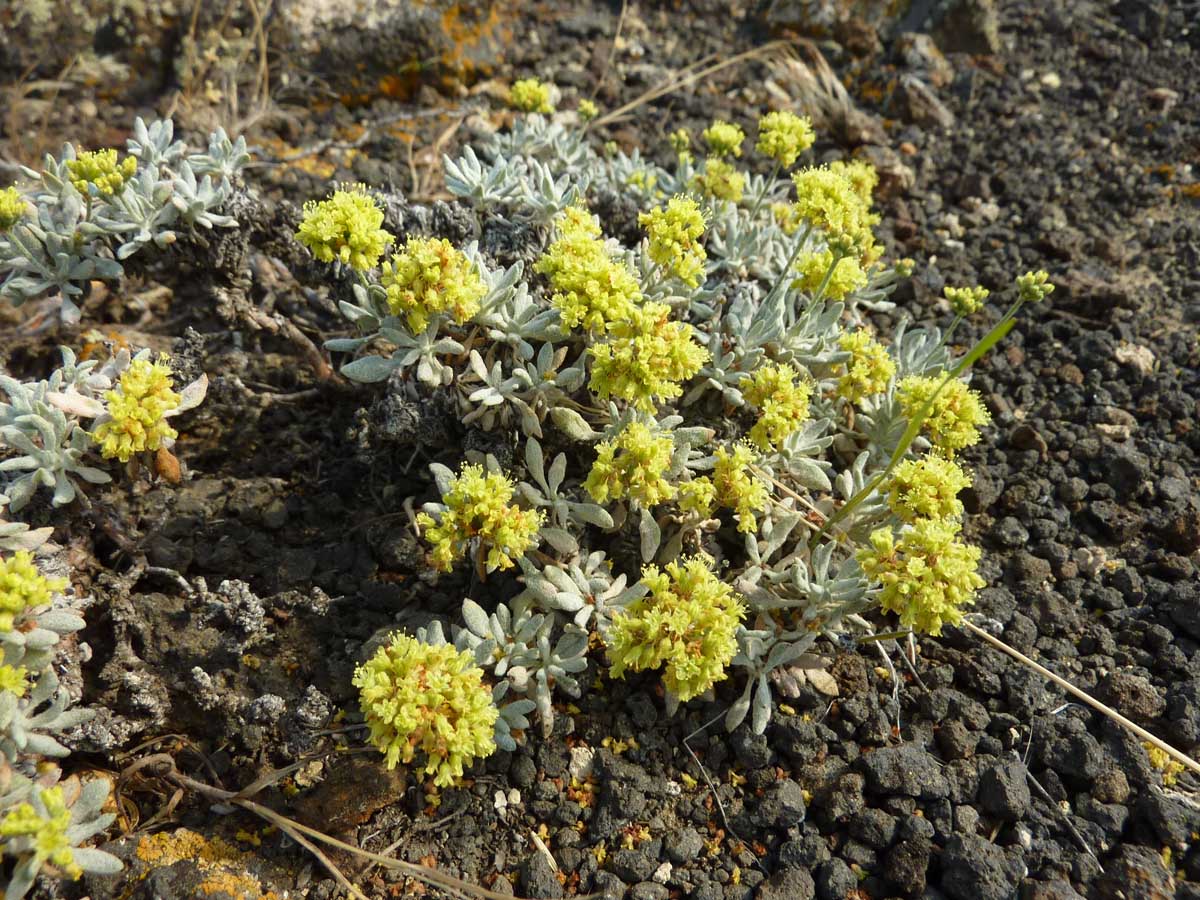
x,y
737,487
347,226
783,136
861,175
430,276
847,276
927,488
966,300
681,143
688,622
698,496
49,832
531,96
137,411
674,232
724,139
12,208
786,217
646,359
98,172
478,507
23,587
588,110
591,289
955,417
927,575
829,200
415,696
632,466
782,396
1034,287
721,180
14,679
869,368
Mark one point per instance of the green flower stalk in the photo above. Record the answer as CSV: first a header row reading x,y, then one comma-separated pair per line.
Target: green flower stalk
x,y
956,415
687,623
97,172
531,96
927,575
592,290
23,587
137,411
737,487
782,396
416,696
12,208
430,277
720,180
783,136
478,508
346,227
674,238
927,488
632,467
868,370
724,139
647,358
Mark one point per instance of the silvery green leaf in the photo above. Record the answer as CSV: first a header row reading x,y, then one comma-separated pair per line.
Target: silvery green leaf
x,y
572,424
809,473
345,345
558,471
737,711
442,477
96,862
651,535
762,706
475,618
592,514
560,539
369,369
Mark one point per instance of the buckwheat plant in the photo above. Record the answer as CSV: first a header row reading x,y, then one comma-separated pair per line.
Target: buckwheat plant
x,y
712,391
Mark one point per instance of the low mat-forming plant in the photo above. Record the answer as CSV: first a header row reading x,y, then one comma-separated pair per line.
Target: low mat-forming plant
x,y
720,397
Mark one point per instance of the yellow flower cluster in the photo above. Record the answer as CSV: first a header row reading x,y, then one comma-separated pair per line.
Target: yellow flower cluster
x,y
782,395
721,180
430,276
99,169
591,289
831,200
688,623
869,368
647,358
681,143
12,208
23,587
632,466
415,696
956,415
478,507
531,96
736,486
927,487
928,575
861,175
347,226
724,139
137,411
786,217
674,232
14,679
1034,287
588,110
847,276
966,301
698,496
49,832
783,136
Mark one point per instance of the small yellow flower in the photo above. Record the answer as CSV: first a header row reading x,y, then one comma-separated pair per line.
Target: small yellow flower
x,y
674,232
137,411
861,175
430,276
23,587
724,139
783,136
588,110
966,301
956,415
698,496
847,276
869,368
477,506
347,226
49,831
786,217
646,359
97,171
927,488
415,696
531,96
829,200
927,575
632,466
681,143
737,487
721,180
12,208
782,396
688,622
14,679
1034,287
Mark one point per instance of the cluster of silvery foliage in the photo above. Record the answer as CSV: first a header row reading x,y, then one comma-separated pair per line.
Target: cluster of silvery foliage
x,y
532,371
72,238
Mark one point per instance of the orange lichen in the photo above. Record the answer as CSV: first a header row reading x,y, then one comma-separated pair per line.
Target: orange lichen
x,y
222,864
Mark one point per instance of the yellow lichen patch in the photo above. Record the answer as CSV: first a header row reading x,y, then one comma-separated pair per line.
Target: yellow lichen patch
x,y
221,863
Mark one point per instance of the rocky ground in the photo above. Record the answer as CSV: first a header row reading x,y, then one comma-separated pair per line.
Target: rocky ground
x,y
1015,135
